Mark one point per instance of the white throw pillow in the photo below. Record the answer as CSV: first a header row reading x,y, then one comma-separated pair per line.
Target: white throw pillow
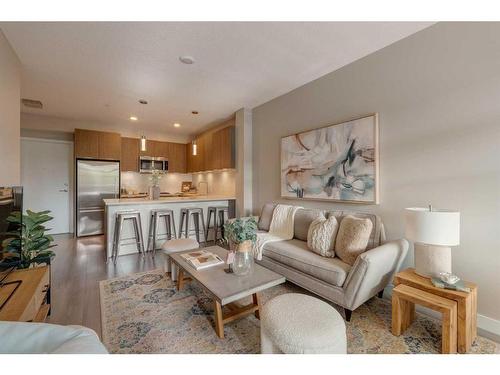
x,y
352,239
321,236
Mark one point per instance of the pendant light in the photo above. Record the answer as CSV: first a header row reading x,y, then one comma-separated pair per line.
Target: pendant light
x,y
194,148
143,137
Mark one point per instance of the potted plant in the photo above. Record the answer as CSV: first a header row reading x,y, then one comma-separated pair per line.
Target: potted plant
x,y
154,189
33,245
241,235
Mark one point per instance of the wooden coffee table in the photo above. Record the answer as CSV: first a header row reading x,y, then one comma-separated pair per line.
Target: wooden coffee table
x,y
227,288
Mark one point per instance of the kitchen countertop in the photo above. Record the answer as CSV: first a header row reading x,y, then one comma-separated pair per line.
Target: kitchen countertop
x,y
138,195
136,201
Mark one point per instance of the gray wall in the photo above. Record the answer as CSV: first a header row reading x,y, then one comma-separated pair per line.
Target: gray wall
x,y
10,96
438,96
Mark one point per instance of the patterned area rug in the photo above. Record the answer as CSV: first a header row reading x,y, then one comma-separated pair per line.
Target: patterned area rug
x,y
143,313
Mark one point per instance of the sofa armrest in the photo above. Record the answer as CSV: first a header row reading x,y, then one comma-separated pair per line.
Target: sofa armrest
x,y
373,271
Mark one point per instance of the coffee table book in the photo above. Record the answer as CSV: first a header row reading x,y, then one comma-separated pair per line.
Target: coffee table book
x,y
202,259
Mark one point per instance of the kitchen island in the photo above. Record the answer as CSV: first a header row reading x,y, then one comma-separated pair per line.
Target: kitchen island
x,y
144,206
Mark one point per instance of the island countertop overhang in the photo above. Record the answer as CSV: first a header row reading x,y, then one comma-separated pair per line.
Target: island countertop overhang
x,y
166,200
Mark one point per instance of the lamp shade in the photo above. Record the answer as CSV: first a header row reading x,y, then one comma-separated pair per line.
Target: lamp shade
x,y
436,227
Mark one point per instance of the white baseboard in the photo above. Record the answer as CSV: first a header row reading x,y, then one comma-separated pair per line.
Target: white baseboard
x,y
486,326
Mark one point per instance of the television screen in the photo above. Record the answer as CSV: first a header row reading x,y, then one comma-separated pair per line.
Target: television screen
x,y
11,200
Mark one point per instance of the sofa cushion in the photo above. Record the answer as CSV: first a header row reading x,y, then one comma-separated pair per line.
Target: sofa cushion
x,y
321,236
352,238
303,219
377,229
295,254
266,216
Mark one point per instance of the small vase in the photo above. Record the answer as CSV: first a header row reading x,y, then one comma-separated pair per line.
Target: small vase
x,y
243,259
154,192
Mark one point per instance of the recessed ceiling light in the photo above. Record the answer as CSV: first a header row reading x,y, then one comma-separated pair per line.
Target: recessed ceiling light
x,y
186,59
194,112
133,118
177,125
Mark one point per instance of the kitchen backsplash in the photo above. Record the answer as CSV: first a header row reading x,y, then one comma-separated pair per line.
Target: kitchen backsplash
x,y
217,183
135,182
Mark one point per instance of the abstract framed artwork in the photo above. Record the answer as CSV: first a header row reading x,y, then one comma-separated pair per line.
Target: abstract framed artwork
x,y
337,163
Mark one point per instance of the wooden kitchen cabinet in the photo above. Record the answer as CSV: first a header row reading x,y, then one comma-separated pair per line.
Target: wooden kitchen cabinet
x,y
153,148
86,144
215,150
189,158
177,157
224,146
199,158
174,152
163,150
208,152
193,163
110,146
129,161
91,144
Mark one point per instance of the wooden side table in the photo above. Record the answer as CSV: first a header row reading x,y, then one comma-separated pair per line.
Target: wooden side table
x,y
405,297
26,295
466,304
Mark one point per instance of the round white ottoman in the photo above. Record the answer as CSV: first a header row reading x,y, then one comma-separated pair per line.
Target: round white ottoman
x,y
296,323
175,246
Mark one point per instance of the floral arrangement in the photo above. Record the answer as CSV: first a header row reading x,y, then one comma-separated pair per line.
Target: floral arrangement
x,y
155,177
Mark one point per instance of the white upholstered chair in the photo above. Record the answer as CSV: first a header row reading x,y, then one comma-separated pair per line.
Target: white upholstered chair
x,y
44,338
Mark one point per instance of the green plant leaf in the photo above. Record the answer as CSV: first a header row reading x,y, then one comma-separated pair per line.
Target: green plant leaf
x,y
33,244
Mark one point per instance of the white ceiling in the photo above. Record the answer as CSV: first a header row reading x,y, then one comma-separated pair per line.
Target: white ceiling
x,y
96,72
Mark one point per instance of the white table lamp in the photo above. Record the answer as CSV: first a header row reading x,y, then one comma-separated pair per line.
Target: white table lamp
x,y
433,231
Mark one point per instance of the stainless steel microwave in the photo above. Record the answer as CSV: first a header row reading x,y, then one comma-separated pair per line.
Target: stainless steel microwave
x,y
147,164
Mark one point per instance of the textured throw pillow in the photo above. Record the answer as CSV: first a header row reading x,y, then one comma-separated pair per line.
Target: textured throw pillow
x,y
321,236
352,238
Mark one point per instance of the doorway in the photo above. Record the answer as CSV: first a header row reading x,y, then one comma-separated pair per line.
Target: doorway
x,y
47,179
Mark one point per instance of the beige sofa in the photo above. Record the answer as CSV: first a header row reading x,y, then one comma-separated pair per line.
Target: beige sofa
x,y
330,278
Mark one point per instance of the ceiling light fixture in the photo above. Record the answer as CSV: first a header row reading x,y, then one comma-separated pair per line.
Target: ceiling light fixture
x,y
133,118
177,125
194,148
186,60
143,137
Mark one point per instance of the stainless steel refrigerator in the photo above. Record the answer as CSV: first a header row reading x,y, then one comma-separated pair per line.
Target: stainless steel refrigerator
x,y
95,181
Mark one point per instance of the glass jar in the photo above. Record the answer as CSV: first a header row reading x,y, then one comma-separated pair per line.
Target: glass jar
x,y
243,260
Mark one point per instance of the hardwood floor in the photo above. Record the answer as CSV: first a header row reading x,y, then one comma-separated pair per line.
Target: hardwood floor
x,y
78,267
